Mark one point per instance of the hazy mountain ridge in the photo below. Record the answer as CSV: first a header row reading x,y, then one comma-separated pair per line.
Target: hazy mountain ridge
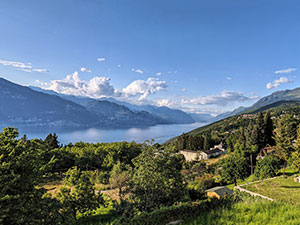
x,y
162,115
32,107
278,96
21,106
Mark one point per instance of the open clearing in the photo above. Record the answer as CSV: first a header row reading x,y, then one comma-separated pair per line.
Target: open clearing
x,y
281,188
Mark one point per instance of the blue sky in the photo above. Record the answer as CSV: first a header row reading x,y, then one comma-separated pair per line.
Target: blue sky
x,y
200,56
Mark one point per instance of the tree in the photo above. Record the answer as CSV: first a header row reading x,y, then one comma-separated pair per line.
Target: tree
x,y
119,179
267,167
51,141
257,133
296,154
207,142
20,172
234,167
156,179
269,127
197,187
82,199
285,133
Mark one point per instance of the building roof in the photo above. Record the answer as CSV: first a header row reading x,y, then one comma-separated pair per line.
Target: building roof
x,y
212,151
220,190
186,150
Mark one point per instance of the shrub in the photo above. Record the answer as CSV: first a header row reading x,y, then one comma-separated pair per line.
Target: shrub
x,y
182,211
197,187
268,167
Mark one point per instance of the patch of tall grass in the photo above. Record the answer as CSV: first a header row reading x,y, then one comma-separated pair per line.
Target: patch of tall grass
x,y
254,212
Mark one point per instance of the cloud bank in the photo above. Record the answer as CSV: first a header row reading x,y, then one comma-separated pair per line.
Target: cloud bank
x,y
277,83
98,87
223,99
26,67
289,70
143,88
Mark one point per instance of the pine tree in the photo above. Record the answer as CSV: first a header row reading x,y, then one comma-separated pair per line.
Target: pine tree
x,y
284,136
51,141
269,140
296,154
207,142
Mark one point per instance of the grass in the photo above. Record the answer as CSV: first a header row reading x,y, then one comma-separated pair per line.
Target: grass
x,y
239,182
101,216
53,187
259,212
281,188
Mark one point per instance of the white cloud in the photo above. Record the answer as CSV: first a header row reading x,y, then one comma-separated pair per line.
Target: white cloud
x,y
277,83
95,88
119,65
144,88
165,102
101,59
41,83
137,70
16,64
225,98
26,67
26,70
158,74
289,70
83,69
40,70
228,78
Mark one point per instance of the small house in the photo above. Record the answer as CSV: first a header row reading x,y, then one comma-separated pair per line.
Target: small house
x,y
215,152
190,155
218,192
265,151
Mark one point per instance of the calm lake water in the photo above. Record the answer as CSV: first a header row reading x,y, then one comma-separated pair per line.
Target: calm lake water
x,y
160,133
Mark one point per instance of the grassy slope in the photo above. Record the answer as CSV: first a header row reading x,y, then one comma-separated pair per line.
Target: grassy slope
x,y
284,189
234,122
259,212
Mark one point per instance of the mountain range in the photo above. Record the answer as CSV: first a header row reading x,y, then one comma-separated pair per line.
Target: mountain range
x,y
276,98
33,107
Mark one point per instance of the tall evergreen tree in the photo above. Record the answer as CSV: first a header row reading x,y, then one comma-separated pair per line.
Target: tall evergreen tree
x,y
296,154
20,172
207,142
284,136
51,141
269,140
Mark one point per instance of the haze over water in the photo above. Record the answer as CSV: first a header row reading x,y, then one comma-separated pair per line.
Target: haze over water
x,y
160,133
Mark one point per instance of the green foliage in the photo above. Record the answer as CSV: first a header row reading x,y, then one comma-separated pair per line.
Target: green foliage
x,y
267,167
156,180
179,212
119,178
296,154
82,199
255,212
51,141
285,133
197,187
20,172
269,127
234,167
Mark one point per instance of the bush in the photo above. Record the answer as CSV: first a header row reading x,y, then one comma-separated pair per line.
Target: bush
x,y
268,167
197,187
182,211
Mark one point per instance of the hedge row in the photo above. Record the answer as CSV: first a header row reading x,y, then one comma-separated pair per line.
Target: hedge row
x,y
178,212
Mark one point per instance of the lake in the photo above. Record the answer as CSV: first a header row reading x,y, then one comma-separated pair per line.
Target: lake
x,y
160,133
